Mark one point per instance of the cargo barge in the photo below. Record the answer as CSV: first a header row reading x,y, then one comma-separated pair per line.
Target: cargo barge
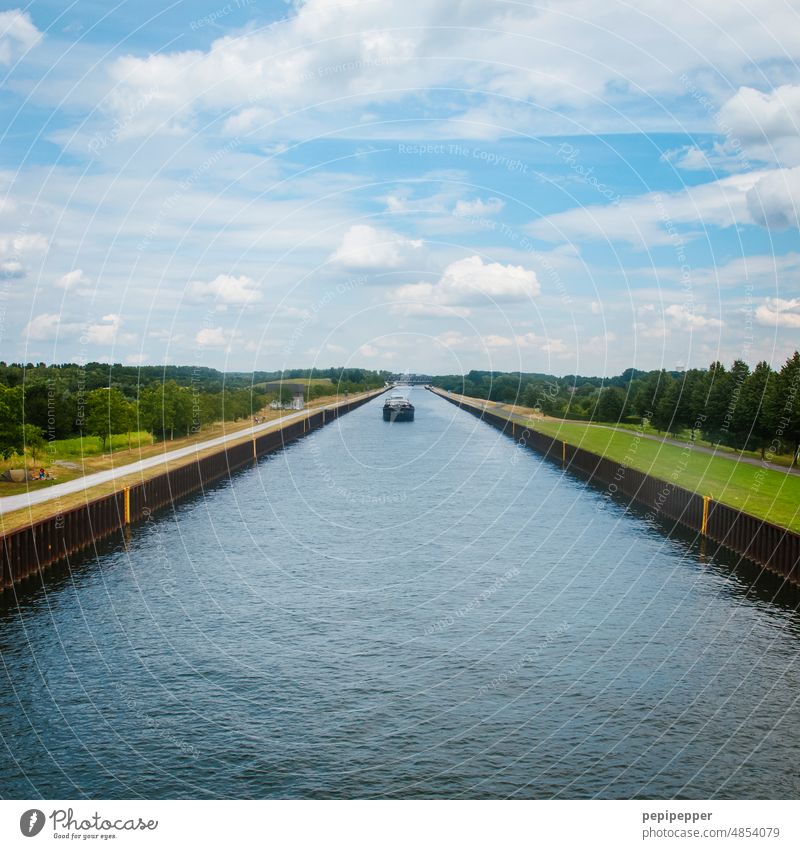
x,y
398,409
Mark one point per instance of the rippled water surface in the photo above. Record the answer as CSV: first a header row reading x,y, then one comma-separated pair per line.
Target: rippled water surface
x,y
401,610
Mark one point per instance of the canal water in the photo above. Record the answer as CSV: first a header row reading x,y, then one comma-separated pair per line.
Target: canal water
x,y
401,610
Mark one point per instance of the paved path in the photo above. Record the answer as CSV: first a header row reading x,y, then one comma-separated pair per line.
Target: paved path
x,y
28,499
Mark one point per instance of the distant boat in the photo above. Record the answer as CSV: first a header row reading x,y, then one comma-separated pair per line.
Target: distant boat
x,y
398,409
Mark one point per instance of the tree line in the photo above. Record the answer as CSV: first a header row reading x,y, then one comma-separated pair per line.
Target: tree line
x,y
754,409
45,402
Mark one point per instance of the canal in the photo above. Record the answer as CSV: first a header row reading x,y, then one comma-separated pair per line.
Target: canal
x,y
401,610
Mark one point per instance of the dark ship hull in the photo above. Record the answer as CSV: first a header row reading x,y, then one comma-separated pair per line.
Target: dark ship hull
x,y
401,414
398,409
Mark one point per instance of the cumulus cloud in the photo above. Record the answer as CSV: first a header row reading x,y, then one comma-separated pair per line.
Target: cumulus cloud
x,y
15,250
779,312
766,123
465,283
689,158
11,268
469,208
367,248
685,318
719,157
17,35
772,201
227,290
338,62
107,331
211,337
46,326
74,281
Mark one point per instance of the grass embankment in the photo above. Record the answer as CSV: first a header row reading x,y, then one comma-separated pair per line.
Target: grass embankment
x,y
30,515
766,493
66,459
305,381
88,456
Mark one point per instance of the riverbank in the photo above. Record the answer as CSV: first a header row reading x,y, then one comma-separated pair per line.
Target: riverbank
x,y
757,489
666,498
81,461
42,503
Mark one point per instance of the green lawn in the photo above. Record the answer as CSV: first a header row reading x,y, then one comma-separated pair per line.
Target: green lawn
x,y
306,381
765,493
685,436
67,449
76,449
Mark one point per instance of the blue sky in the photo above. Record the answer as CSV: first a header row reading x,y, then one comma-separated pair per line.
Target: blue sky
x,y
438,186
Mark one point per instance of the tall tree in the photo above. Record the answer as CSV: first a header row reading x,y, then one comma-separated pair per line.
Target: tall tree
x,y
752,421
610,405
651,392
717,401
786,404
665,411
10,419
107,412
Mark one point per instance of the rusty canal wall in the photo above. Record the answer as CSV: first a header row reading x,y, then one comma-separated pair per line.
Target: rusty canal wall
x,y
768,545
27,551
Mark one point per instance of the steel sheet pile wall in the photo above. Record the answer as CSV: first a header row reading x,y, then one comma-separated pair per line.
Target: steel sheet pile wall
x,y
772,546
28,550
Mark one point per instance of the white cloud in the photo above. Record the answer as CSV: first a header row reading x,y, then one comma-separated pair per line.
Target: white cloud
x,y
136,359
555,346
773,200
46,326
689,158
11,268
366,248
17,35
779,312
469,208
686,318
492,340
454,339
769,270
755,114
464,283
211,337
719,157
75,281
227,289
646,220
528,340
766,123
599,345
15,249
49,326
27,244
343,65
107,331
